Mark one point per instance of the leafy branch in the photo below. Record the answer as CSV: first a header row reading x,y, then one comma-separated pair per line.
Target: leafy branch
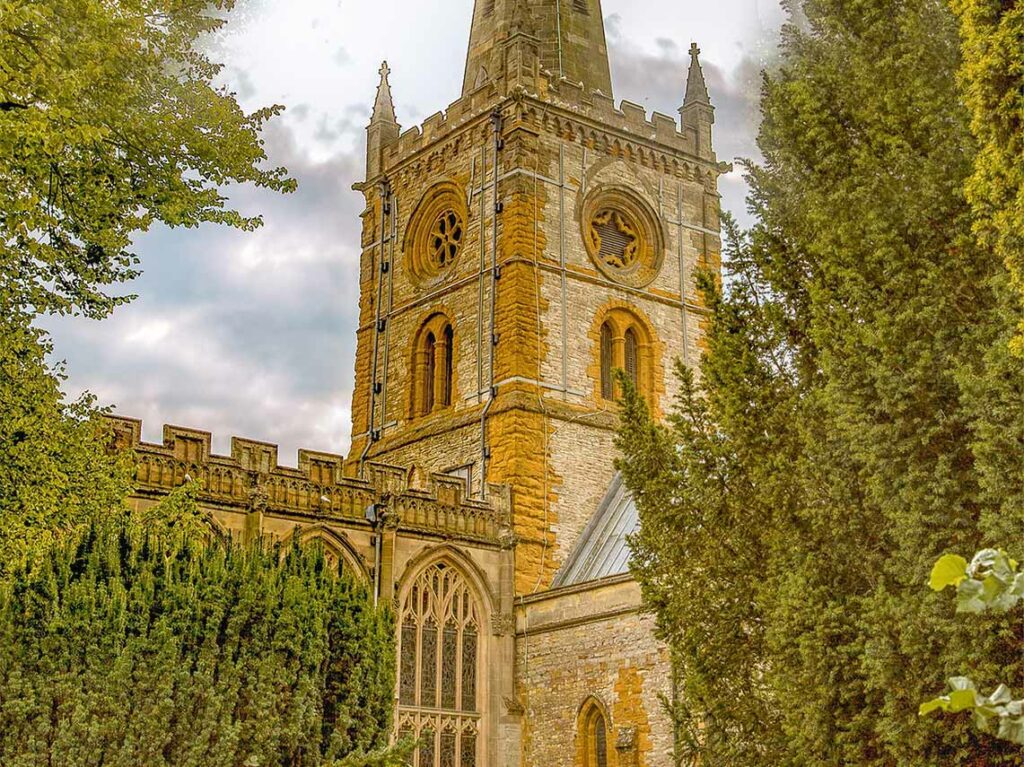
x,y
991,582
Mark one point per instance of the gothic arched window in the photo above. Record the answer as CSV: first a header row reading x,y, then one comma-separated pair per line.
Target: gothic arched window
x,y
625,343
592,736
439,651
433,366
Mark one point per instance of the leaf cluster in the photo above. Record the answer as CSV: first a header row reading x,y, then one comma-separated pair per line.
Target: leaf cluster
x,y
992,581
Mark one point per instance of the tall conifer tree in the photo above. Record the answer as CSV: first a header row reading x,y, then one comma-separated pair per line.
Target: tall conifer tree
x,y
836,444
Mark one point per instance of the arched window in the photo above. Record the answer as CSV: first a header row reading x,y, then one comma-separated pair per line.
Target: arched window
x,y
433,366
625,343
607,384
592,736
439,649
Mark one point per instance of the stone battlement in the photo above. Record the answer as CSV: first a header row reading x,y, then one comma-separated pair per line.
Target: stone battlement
x,y
250,479
627,118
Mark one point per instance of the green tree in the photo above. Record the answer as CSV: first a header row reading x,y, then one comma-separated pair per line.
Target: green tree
x,y
139,644
992,79
56,473
110,121
843,432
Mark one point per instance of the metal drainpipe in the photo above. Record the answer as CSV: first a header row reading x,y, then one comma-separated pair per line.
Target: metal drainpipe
x,y
682,274
562,267
393,235
480,281
496,122
372,434
558,28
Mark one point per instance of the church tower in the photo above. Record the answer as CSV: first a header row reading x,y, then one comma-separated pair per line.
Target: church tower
x,y
516,250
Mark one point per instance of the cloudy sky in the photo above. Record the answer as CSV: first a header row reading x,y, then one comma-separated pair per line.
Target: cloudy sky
x,y
252,334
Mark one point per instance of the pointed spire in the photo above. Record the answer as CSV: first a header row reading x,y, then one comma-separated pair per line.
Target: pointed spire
x,y
696,88
384,106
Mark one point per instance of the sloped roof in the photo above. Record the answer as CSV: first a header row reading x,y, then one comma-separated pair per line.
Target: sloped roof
x,y
602,550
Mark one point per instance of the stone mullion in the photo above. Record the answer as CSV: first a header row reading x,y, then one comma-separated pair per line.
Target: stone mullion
x,y
618,358
419,384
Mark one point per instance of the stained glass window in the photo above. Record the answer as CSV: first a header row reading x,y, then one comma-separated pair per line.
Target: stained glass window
x,y
468,753
439,655
469,670
448,749
407,692
428,665
428,747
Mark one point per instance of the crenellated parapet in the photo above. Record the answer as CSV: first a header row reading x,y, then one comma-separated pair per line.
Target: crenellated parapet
x,y
251,480
597,119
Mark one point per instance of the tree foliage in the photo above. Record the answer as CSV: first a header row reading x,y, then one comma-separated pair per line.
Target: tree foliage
x,y
55,471
854,418
992,77
110,121
137,644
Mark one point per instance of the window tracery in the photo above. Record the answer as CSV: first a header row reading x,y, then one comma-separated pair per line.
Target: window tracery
x,y
438,669
623,235
436,233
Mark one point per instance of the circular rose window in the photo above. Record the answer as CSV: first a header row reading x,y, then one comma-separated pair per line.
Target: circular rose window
x,y
445,239
622,236
436,232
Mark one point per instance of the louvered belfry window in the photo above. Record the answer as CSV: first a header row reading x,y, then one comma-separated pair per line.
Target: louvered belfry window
x,y
632,363
449,339
433,366
607,350
438,666
429,373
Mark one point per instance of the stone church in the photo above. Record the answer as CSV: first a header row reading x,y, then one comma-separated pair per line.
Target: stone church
x,y
517,248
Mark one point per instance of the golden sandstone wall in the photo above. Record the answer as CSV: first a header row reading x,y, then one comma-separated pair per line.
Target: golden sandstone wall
x,y
548,432
589,644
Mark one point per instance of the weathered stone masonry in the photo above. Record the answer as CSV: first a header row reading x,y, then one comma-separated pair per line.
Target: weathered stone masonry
x,y
513,247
